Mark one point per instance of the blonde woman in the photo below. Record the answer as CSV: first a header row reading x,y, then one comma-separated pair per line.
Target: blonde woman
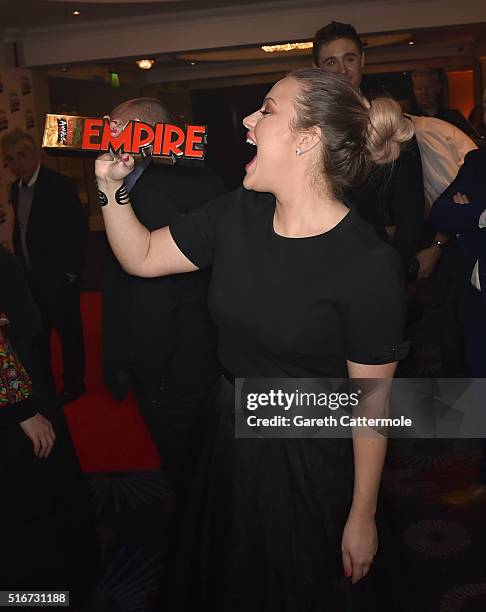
x,y
300,287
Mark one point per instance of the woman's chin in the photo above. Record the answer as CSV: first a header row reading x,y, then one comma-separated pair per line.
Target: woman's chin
x,y
248,182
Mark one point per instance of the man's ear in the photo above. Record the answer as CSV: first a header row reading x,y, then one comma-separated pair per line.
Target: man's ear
x,y
362,59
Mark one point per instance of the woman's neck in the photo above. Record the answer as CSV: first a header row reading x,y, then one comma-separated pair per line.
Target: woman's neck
x,y
307,212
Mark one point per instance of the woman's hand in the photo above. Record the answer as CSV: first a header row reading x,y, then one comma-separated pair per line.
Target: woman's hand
x,y
40,431
359,545
109,170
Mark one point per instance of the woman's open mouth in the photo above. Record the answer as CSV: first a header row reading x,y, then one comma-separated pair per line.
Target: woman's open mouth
x,y
252,142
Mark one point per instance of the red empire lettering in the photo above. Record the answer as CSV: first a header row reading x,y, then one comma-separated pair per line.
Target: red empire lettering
x,y
172,146
159,130
143,134
195,139
123,141
91,128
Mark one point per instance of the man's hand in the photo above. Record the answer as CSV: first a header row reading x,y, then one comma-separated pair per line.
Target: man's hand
x,y
358,547
427,259
461,198
40,431
109,170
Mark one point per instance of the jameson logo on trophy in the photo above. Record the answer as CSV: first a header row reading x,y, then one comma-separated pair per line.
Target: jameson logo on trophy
x,y
88,135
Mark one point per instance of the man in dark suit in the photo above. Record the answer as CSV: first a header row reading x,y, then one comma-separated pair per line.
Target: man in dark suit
x,y
392,198
461,210
49,237
427,93
158,337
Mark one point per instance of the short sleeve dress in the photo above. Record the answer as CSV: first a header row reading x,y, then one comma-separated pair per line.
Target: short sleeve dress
x,y
264,524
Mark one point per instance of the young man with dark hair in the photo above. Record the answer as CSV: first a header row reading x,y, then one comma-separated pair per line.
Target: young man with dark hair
x,y
338,48
392,199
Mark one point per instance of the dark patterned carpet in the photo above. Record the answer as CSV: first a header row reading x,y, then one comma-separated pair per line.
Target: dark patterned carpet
x,y
438,554
134,512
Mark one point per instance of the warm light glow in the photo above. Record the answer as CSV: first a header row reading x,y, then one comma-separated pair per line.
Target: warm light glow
x,y
287,47
411,42
76,13
145,64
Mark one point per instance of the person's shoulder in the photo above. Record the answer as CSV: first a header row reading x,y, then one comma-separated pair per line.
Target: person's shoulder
x,y
366,245
245,202
476,158
453,113
10,266
6,257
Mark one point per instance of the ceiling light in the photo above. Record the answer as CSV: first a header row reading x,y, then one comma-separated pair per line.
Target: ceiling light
x,y
193,63
287,47
76,13
145,64
411,42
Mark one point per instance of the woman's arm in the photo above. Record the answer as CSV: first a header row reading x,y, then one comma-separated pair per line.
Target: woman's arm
x,y
360,540
369,452
140,252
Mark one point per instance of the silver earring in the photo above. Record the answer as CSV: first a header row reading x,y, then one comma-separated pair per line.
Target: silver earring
x,y
297,151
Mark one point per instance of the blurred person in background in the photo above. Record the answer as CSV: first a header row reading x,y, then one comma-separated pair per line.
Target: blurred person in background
x,y
47,533
392,197
461,210
49,237
476,117
427,92
158,338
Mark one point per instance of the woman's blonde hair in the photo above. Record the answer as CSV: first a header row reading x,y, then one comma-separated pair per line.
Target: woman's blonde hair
x,y
356,134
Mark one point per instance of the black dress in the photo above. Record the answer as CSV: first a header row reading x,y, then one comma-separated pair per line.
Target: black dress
x,y
264,525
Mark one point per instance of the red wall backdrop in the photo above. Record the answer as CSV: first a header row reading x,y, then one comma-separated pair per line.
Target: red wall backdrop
x,y
461,90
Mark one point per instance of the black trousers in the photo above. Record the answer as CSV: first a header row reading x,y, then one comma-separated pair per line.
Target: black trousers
x,y
60,310
173,375
173,415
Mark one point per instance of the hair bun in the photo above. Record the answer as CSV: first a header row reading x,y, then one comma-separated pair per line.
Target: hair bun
x,y
388,129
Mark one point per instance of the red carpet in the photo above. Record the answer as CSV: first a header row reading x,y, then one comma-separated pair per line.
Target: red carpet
x,y
109,436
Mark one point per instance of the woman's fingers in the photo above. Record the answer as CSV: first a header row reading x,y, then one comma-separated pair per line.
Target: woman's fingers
x,y
51,437
360,569
355,568
347,564
114,169
47,440
37,445
43,440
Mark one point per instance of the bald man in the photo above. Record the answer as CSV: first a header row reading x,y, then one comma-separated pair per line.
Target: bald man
x,y
158,338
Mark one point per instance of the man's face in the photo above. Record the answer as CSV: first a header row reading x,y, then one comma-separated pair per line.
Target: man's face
x,y
342,56
22,160
426,90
